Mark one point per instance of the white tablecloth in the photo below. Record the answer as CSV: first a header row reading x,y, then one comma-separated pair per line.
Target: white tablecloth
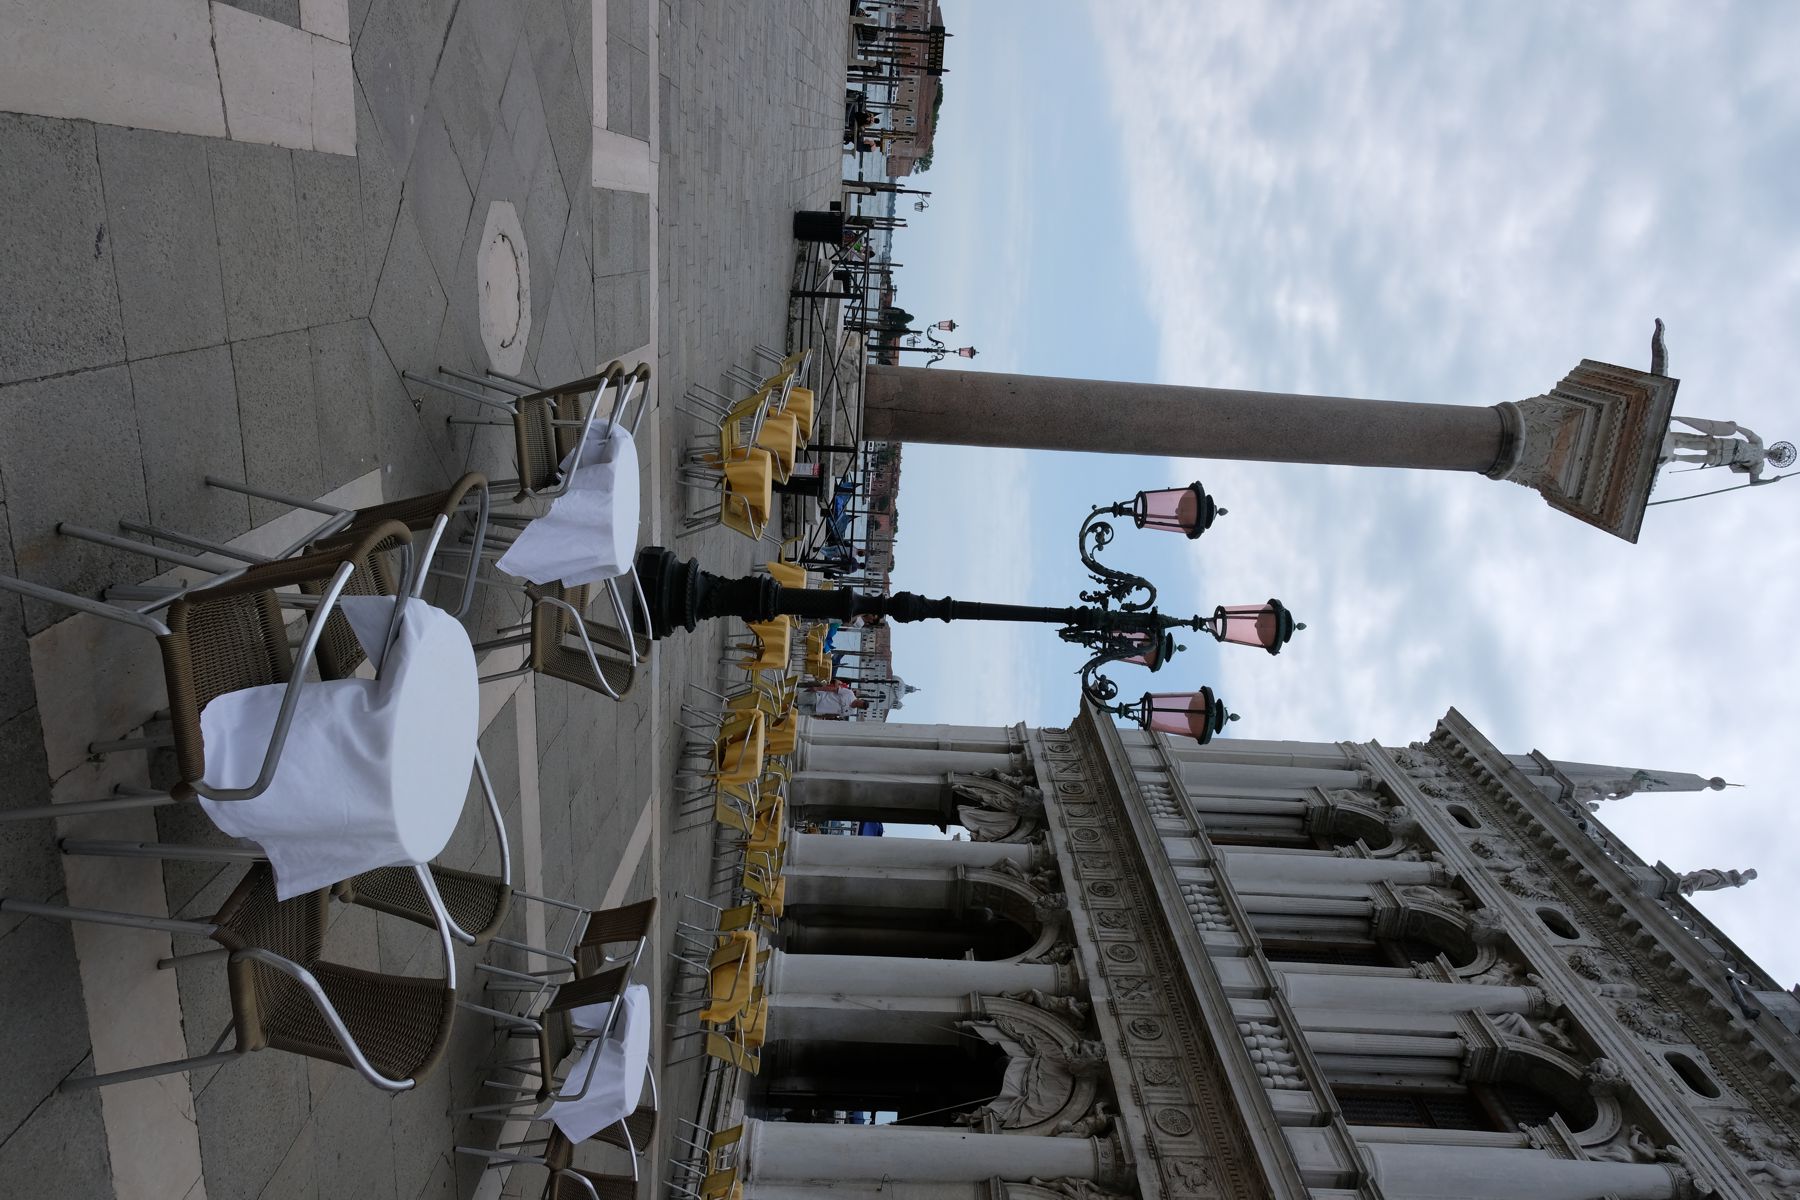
x,y
591,530
618,1080
375,770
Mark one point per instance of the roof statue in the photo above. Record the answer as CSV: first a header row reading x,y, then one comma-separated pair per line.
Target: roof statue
x,y
1715,443
1711,880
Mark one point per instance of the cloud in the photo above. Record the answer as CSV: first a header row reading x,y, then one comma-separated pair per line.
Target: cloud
x,y
968,670
1457,204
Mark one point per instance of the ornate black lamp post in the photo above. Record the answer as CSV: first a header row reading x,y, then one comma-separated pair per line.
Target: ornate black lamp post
x,y
1118,624
938,348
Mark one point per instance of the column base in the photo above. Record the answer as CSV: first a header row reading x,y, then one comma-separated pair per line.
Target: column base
x,y
1590,447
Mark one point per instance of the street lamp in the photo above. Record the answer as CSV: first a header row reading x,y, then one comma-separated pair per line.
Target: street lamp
x,y
1118,623
938,349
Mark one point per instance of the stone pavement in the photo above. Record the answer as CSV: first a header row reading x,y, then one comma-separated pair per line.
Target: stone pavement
x,y
221,261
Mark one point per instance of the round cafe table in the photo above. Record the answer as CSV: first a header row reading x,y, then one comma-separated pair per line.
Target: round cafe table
x,y
613,1067
374,771
590,532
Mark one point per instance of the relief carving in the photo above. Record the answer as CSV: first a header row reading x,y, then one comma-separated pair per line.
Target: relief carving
x,y
1052,1073
1001,807
1633,1145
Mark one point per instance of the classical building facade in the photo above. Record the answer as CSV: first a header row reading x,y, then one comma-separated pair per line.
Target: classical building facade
x,y
1156,969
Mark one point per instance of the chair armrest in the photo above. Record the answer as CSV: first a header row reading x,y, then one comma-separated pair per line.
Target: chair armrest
x,y
586,643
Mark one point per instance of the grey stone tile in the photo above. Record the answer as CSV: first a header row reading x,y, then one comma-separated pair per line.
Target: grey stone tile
x,y
60,309
411,464
557,355
395,54
187,417
545,218
63,1140
621,312
249,1113
619,59
16,691
345,413
437,190
45,1037
420,1127
295,1178
580,16
165,245
409,301
260,247
522,112
328,194
353,1153
285,11
70,448
381,184
621,231
568,103
277,413
30,865
484,35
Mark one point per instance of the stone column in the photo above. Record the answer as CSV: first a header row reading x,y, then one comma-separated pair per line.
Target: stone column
x,y
903,760
780,1151
1253,869
1229,777
862,796
868,975
912,1020
1426,1172
888,872
870,853
1334,993
1589,446
867,1190
990,739
1260,752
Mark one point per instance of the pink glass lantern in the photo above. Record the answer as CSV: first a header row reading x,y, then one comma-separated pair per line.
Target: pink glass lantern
x,y
1155,649
1187,510
1197,715
946,326
1266,625
966,351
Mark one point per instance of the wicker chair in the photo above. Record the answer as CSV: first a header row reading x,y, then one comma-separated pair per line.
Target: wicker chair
x,y
220,637
565,644
390,1029
549,424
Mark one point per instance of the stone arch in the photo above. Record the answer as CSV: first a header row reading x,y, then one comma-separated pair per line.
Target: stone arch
x,y
1018,896
1054,1074
1586,1096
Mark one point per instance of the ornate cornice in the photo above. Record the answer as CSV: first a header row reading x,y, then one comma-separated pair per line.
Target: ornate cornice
x,y
1201,1129
1620,981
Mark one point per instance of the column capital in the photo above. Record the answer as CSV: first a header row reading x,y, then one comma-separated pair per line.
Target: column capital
x,y
1590,446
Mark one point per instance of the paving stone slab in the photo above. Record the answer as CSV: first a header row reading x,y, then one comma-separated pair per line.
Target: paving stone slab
x,y
249,1112
260,248
165,245
277,414
333,276
353,1146
16,691
381,182
395,56
187,417
69,449
285,11
62,1146
484,34
437,188
60,309
29,862
409,301
410,464
45,1038
345,412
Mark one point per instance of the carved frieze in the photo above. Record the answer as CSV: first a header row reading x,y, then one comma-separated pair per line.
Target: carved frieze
x,y
1195,1142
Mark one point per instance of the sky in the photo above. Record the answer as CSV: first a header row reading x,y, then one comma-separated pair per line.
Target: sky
x,y
1450,203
